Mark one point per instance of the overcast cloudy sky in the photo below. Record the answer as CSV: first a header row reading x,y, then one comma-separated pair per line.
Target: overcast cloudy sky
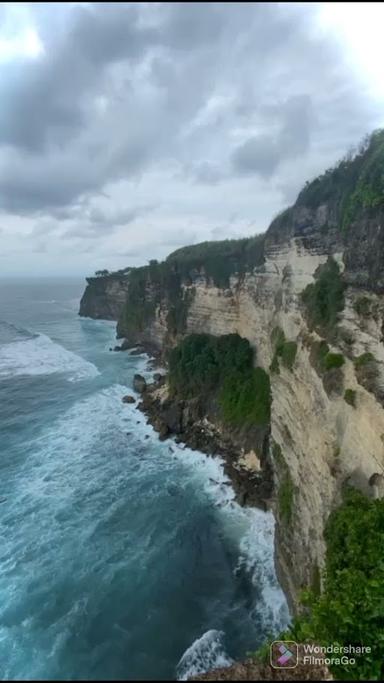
x,y
128,130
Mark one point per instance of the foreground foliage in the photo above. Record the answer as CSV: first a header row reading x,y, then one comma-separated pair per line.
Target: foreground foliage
x,y
350,609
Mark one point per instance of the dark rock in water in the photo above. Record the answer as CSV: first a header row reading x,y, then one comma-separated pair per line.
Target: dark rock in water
x,y
110,348
128,433
158,378
139,383
172,415
138,351
123,347
163,432
146,436
128,399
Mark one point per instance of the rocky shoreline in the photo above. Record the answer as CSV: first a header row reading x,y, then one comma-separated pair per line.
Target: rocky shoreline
x,y
186,422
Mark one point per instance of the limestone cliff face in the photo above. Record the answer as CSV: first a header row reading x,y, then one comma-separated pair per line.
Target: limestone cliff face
x,y
323,440
319,440
104,297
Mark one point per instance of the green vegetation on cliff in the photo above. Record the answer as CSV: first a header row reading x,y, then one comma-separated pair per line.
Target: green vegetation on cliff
x,y
286,490
148,287
204,365
219,260
324,299
350,609
333,360
350,397
355,183
284,350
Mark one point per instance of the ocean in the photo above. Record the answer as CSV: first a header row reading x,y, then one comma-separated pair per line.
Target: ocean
x,y
121,557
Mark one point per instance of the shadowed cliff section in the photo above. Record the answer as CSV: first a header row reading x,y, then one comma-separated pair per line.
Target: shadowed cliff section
x,y
105,295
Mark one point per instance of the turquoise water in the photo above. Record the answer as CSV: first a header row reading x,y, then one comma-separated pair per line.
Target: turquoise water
x,y
121,557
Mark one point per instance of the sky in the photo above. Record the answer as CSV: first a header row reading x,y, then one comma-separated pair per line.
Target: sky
x,y
128,130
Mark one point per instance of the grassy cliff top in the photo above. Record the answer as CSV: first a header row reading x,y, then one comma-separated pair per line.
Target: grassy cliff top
x,y
356,182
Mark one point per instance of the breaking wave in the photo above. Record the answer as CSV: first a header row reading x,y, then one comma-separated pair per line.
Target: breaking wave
x,y
39,355
205,654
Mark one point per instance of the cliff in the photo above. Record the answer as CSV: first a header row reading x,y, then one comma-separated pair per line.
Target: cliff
x,y
325,359
104,296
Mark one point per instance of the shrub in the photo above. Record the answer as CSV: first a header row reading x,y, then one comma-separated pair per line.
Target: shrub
x,y
350,609
277,338
367,373
362,306
274,366
288,354
350,397
364,359
245,398
324,299
286,350
333,360
322,351
203,365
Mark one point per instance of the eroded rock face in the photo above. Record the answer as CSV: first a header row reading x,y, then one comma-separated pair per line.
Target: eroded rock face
x,y
104,297
139,383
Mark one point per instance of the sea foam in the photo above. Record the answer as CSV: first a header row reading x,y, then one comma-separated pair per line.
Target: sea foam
x,y
253,531
206,653
40,355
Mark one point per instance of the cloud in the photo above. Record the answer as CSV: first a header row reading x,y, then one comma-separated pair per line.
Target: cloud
x,y
256,155
262,154
100,223
191,111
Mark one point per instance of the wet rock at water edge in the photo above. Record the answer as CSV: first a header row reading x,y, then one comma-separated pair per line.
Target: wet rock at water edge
x,y
137,351
163,432
128,399
139,383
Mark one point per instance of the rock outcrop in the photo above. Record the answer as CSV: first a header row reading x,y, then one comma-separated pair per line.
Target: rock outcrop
x,y
139,383
104,296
